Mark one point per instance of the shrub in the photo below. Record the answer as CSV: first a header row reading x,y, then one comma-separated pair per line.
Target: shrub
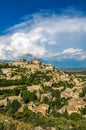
x,y
75,116
28,96
12,107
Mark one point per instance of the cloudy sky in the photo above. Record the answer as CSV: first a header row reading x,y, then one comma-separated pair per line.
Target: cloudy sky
x,y
53,31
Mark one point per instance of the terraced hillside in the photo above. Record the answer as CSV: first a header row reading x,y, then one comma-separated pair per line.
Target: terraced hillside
x,y
41,95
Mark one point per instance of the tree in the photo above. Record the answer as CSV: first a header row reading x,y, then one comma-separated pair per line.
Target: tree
x,y
46,100
83,111
75,116
57,95
82,94
65,114
15,105
25,113
33,96
26,96
12,107
16,91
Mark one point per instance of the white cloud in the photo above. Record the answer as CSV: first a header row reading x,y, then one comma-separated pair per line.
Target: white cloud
x,y
58,37
70,53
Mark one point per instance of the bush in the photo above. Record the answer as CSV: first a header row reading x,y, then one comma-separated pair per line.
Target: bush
x,y
16,91
46,100
75,116
28,96
82,94
12,107
83,111
1,126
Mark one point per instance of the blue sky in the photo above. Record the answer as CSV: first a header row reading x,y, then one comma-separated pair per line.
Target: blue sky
x,y
53,31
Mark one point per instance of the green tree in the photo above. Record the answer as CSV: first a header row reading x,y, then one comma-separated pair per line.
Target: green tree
x,y
75,116
83,111
26,96
25,113
46,100
65,114
12,107
16,91
15,105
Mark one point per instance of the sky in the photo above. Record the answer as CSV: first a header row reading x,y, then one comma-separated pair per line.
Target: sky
x,y
53,31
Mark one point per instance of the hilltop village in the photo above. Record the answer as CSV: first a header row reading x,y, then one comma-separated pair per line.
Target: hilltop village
x,y
40,88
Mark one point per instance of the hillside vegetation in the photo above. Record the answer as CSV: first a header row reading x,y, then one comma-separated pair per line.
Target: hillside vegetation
x,y
38,96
